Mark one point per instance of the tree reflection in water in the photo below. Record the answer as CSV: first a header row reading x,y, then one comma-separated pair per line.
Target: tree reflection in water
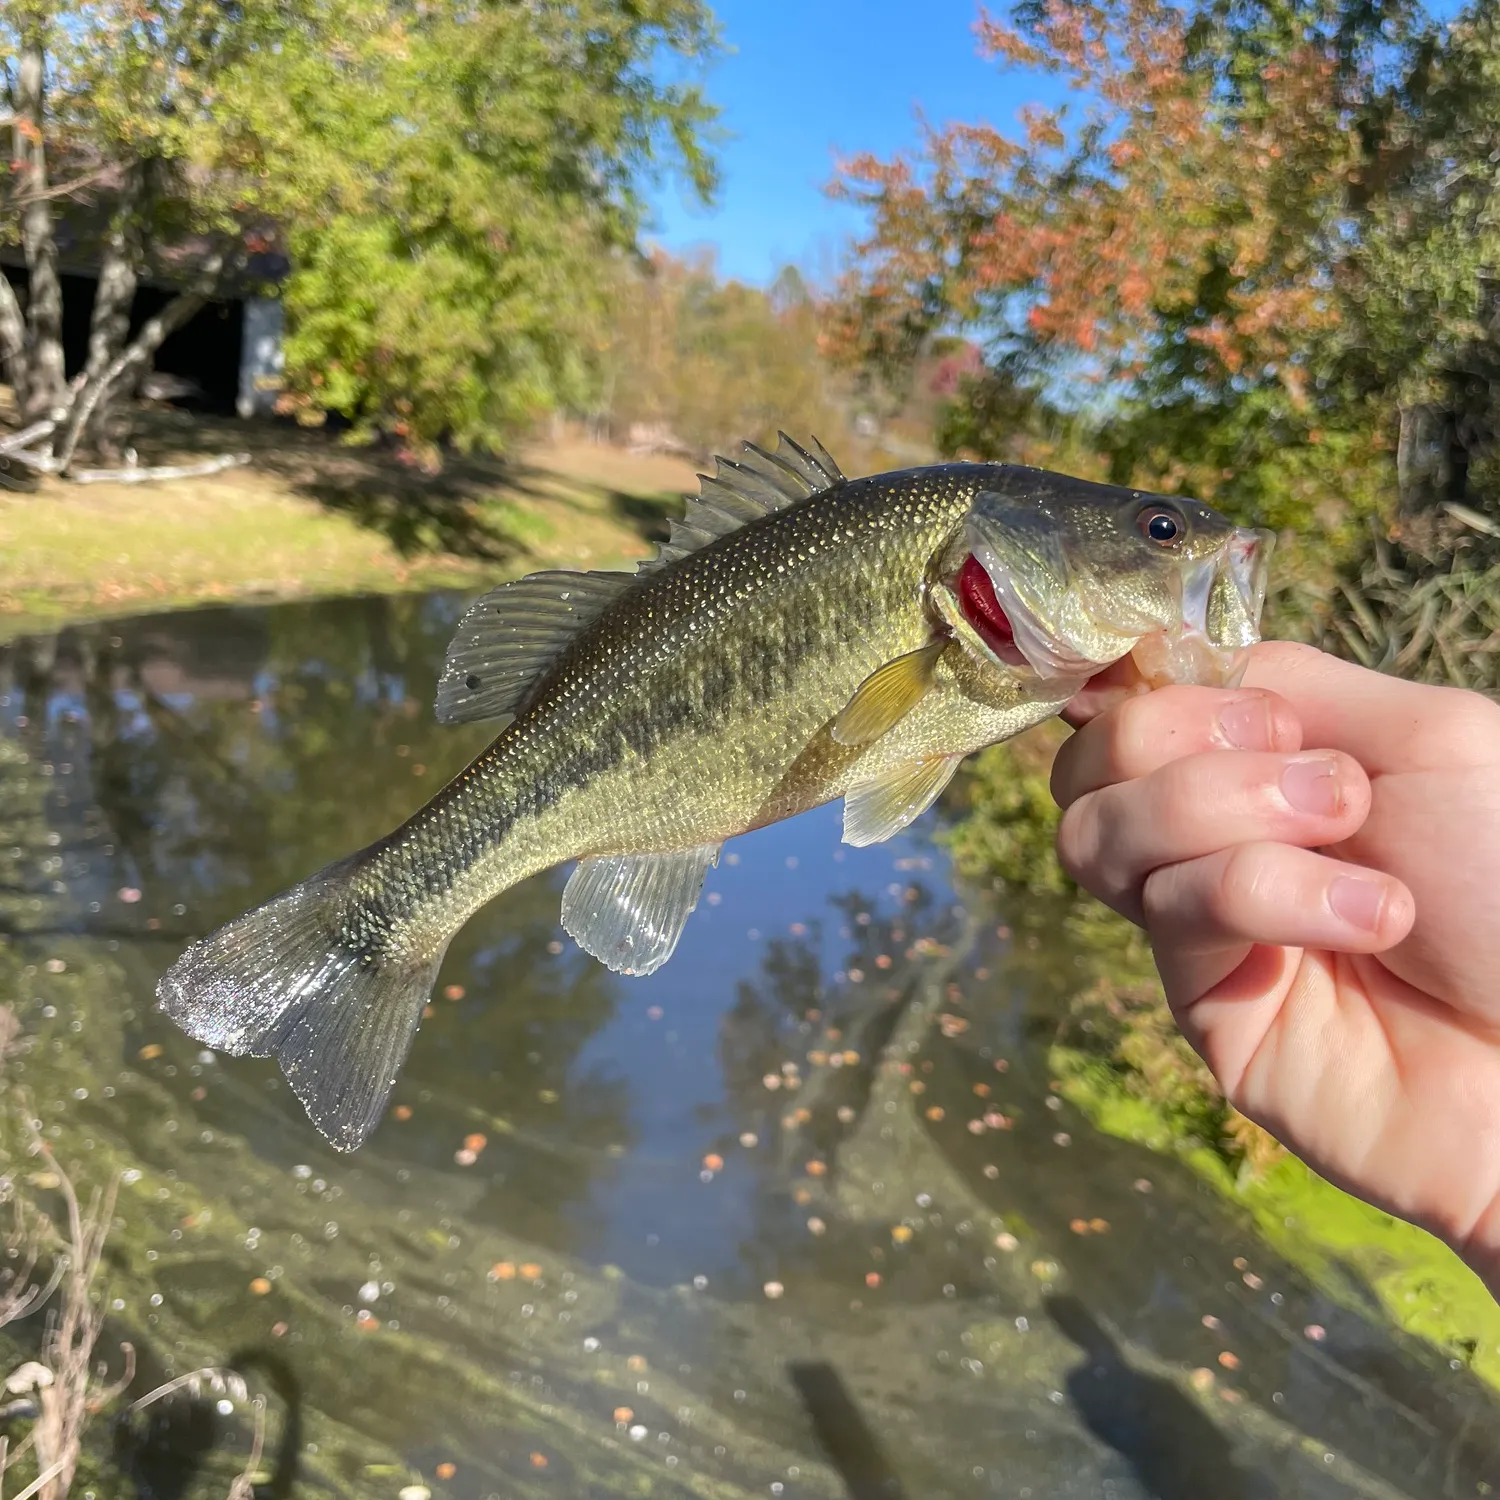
x,y
448,1295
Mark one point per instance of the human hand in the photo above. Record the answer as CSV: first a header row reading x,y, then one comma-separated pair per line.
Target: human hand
x,y
1316,858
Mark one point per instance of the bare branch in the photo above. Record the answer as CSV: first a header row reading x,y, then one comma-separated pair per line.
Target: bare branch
x,y
133,359
13,340
72,1331
43,1479
38,462
135,474
28,434
101,1399
19,198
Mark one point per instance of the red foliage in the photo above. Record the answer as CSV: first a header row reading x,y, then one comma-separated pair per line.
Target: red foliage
x,y
1110,243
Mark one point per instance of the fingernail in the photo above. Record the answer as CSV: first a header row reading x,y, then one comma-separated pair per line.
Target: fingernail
x,y
1357,902
1312,786
1245,724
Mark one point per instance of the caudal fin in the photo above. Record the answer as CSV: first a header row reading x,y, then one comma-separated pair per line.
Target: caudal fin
x,y
282,982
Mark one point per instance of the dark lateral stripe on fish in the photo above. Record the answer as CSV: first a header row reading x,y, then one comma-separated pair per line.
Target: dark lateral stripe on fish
x,y
653,716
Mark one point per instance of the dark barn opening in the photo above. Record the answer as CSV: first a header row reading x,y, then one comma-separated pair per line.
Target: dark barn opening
x,y
205,350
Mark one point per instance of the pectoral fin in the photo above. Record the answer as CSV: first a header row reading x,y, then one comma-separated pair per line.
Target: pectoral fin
x,y
876,810
886,696
628,910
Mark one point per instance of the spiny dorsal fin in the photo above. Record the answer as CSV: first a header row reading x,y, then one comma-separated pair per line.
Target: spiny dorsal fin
x,y
513,635
744,491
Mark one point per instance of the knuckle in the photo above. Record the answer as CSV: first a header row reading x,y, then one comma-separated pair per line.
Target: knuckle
x,y
1237,887
1133,729
1066,770
1161,895
1078,840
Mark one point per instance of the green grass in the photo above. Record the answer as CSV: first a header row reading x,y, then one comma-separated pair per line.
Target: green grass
x,y
308,517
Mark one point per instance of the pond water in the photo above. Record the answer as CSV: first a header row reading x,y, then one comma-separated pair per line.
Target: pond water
x,y
798,1215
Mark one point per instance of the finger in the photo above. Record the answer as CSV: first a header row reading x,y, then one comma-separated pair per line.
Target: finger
x,y
1139,735
1385,723
1119,680
1112,839
1205,915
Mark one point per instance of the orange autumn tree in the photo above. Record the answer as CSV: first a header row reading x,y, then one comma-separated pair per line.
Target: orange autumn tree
x,y
1162,253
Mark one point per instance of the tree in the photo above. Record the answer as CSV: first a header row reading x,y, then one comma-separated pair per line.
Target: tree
x,y
1208,235
713,361
447,180
1424,303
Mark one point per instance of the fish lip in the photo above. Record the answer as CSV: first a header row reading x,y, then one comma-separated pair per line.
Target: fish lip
x,y
1248,559
1189,653
1047,656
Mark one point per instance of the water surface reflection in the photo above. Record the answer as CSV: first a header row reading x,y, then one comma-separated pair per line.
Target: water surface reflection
x,y
794,1216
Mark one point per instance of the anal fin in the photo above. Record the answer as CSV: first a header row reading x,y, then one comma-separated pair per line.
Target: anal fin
x,y
628,910
887,695
877,810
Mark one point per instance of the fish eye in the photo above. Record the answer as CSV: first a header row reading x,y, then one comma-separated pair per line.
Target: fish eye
x,y
1161,525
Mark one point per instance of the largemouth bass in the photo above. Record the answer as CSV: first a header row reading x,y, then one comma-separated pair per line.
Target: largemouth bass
x,y
800,637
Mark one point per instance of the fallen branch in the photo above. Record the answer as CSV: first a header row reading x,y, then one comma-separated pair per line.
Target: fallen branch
x,y
28,434
38,463
135,474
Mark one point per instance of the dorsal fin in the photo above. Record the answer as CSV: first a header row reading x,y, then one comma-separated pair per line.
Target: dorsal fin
x,y
514,634
745,491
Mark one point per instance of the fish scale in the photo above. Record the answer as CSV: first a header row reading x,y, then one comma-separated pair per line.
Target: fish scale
x,y
798,639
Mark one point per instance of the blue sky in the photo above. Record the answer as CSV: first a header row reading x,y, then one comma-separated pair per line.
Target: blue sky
x,y
809,79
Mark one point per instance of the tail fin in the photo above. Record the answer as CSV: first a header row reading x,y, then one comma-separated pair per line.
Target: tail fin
x,y
282,981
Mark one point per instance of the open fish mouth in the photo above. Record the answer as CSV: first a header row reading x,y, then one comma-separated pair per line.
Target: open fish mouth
x,y
1221,602
994,600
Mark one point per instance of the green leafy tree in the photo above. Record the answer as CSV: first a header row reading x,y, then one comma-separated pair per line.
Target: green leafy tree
x,y
448,180
1245,251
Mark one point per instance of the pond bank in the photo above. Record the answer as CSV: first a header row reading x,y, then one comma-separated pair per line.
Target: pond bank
x,y
308,518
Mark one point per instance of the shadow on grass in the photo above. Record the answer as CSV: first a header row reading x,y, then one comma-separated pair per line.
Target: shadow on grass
x,y
648,514
466,510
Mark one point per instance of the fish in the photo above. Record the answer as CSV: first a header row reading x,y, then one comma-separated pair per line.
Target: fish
x,y
801,636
